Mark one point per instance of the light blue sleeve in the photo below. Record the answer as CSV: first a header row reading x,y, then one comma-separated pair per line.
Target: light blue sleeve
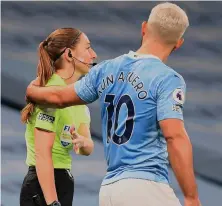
x,y
171,97
86,87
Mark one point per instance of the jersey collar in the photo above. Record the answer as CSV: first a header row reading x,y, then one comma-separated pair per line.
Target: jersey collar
x,y
133,54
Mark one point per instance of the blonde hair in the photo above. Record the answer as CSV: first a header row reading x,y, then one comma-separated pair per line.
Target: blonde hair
x,y
168,22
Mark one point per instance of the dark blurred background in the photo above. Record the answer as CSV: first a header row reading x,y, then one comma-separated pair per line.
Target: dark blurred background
x,y
114,29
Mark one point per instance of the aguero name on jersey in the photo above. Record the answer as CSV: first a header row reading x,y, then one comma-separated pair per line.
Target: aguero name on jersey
x,y
135,93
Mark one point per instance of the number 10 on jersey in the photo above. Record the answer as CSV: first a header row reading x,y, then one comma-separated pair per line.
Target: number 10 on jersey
x,y
129,121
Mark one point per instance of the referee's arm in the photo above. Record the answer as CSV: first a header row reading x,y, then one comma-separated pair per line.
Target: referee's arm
x,y
53,96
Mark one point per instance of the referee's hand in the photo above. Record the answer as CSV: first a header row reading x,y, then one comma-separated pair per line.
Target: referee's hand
x,y
77,140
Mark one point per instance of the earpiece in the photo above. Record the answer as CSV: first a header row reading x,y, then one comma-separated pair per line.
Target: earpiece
x,y
70,54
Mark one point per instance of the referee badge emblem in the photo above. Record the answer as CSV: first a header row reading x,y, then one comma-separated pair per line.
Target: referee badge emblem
x,y
66,137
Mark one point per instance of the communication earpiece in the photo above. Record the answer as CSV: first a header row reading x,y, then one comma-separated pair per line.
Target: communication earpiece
x,y
70,54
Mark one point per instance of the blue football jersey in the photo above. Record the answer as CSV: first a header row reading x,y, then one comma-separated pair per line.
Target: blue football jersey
x,y
135,93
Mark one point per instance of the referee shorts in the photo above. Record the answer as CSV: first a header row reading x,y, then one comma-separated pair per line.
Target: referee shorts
x,y
132,192
31,192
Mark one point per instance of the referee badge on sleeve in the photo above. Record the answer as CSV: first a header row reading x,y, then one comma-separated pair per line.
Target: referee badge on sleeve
x,y
46,118
178,96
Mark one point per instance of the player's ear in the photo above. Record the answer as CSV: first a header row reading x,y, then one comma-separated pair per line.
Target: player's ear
x,y
143,28
179,43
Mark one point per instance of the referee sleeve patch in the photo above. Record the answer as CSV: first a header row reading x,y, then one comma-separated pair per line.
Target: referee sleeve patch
x,y
46,118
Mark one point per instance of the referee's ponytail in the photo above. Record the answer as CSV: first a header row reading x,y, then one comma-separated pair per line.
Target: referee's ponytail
x,y
44,73
50,52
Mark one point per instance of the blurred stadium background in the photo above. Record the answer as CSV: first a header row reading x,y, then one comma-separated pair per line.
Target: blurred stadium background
x,y
114,29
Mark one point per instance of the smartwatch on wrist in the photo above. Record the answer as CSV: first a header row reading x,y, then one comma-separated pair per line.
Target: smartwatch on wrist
x,y
55,203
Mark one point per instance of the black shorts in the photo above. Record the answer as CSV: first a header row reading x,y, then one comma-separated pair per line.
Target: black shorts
x,y
31,192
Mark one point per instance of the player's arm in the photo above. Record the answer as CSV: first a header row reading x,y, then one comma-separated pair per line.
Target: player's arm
x,y
44,165
53,96
170,100
81,92
180,156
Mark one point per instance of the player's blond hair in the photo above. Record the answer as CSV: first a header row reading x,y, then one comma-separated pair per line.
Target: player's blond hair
x,y
168,22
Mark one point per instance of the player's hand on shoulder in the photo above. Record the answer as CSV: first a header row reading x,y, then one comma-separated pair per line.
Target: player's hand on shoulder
x,y
35,82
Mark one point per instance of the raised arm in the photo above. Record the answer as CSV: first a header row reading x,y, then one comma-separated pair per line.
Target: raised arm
x,y
81,92
53,96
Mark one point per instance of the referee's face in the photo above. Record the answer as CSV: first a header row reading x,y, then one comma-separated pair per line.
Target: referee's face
x,y
84,53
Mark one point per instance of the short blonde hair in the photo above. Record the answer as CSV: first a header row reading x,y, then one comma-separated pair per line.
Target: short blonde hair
x,y
168,21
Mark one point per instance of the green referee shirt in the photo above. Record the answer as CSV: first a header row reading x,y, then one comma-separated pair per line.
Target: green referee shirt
x,y
58,121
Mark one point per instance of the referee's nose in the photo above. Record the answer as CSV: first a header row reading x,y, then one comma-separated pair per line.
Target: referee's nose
x,y
93,54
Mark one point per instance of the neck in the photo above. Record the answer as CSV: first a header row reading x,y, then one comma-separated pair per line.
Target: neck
x,y
156,49
68,76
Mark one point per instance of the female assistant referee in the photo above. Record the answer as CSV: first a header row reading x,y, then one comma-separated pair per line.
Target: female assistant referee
x,y
64,57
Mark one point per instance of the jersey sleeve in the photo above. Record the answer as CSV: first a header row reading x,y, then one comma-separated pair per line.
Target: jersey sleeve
x,y
86,88
46,119
171,97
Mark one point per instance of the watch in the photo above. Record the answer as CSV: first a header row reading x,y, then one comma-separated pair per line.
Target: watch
x,y
55,203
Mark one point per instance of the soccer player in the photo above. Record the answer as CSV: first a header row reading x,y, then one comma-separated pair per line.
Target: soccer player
x,y
141,101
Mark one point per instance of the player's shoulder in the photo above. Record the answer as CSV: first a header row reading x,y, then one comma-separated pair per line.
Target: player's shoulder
x,y
101,64
109,62
107,65
166,72
99,69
